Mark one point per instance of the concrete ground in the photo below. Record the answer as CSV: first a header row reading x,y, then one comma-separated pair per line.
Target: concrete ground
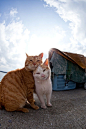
x,y
68,112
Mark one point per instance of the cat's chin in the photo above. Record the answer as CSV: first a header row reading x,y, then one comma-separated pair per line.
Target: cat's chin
x,y
33,68
30,68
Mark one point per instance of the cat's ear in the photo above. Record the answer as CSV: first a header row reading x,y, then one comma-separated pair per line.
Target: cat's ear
x,y
41,55
46,62
26,55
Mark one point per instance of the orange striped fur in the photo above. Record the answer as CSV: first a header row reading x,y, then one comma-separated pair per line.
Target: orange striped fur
x,y
17,87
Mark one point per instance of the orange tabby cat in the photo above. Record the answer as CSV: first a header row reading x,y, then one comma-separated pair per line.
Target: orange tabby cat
x,y
18,86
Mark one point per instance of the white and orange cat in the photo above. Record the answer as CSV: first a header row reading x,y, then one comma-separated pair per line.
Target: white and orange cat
x,y
43,85
17,87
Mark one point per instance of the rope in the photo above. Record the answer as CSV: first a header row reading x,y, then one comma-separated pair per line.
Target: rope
x,y
3,71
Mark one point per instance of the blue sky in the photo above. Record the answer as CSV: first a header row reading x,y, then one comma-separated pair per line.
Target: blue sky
x,y
35,26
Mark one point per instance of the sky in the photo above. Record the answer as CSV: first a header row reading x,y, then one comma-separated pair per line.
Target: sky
x,y
36,26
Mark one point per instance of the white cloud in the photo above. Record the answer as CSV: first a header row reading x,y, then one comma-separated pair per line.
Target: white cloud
x,y
2,60
73,12
14,38
13,12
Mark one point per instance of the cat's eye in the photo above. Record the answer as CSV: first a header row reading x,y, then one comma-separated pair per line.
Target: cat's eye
x,y
44,70
37,73
31,60
38,60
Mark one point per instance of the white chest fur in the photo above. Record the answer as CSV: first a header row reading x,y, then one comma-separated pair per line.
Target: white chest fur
x,y
44,86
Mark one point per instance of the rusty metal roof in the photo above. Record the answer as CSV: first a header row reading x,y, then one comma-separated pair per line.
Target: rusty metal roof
x,y
73,57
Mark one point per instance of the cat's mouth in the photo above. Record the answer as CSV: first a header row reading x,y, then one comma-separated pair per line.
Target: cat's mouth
x,y
34,67
44,78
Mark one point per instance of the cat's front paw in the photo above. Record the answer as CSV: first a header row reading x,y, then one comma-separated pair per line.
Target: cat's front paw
x,y
44,107
49,105
34,106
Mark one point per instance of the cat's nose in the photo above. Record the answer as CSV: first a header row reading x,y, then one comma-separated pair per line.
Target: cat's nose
x,y
42,75
34,63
